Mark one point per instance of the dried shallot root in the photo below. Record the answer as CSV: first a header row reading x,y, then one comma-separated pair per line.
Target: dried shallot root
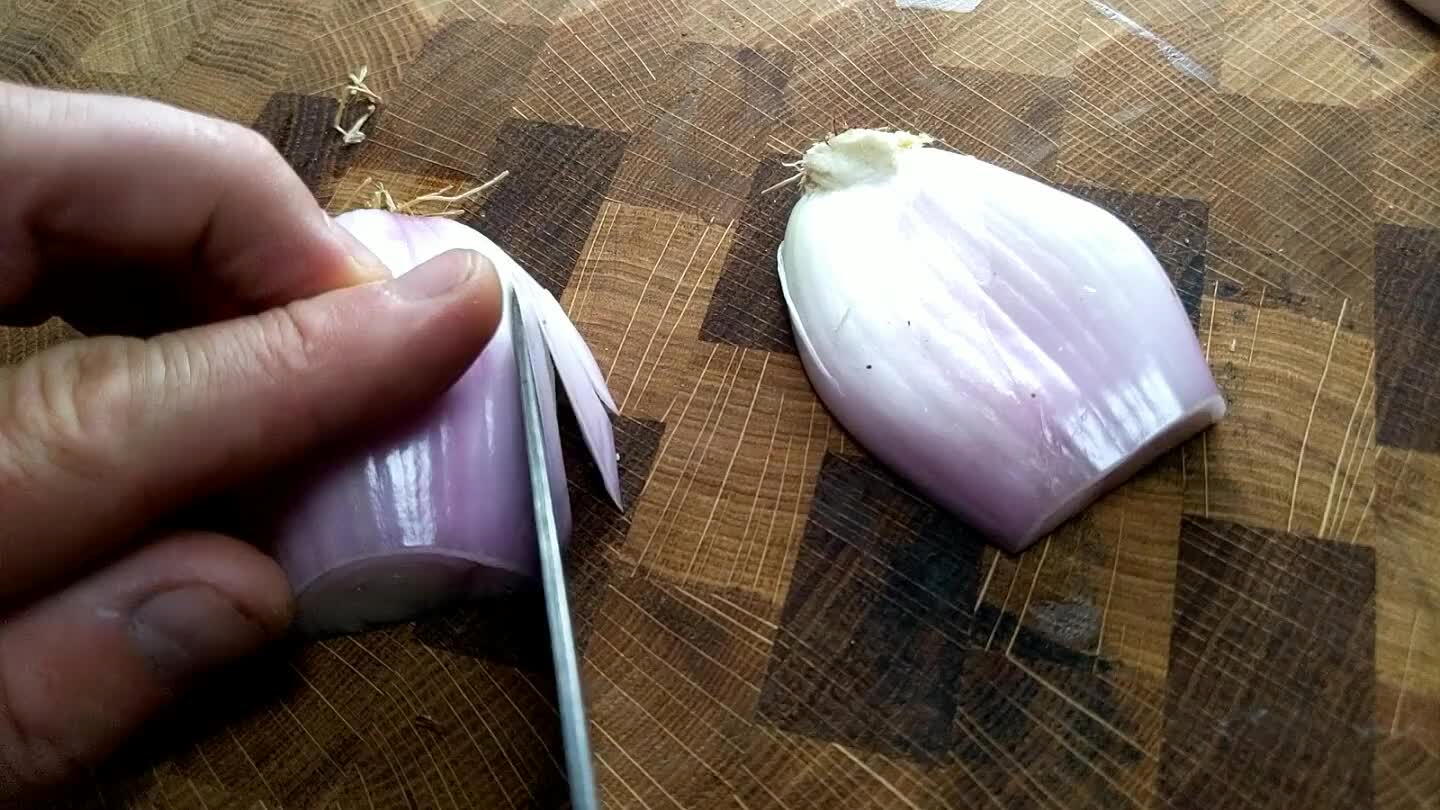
x,y
355,91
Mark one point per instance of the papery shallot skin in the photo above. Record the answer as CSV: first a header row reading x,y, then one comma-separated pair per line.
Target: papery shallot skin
x,y
1010,349
438,509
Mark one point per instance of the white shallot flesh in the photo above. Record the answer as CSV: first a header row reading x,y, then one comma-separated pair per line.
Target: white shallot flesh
x,y
1011,350
440,509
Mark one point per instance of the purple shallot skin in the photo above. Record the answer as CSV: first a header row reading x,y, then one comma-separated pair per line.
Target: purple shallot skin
x,y
439,509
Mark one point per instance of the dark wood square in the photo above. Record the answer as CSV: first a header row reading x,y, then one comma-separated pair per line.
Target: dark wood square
x,y
747,308
541,214
1270,699
1035,733
876,623
1407,364
301,128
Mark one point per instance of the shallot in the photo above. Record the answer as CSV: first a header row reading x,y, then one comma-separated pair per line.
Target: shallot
x,y
440,509
1010,349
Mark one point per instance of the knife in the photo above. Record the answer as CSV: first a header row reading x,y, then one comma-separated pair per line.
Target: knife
x,y
573,725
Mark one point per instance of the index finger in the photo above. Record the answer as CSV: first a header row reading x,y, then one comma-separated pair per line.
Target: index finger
x,y
106,194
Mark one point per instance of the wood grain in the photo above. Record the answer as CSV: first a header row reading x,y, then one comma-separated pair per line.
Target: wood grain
x,y
776,621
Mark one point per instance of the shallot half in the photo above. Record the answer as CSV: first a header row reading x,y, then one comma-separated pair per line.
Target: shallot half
x,y
1010,349
440,509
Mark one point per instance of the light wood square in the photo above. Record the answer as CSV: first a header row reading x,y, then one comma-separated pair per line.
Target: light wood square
x,y
1030,37
639,295
729,496
1295,450
148,38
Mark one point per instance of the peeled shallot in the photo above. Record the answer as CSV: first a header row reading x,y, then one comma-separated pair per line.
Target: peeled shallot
x,y
441,508
1012,350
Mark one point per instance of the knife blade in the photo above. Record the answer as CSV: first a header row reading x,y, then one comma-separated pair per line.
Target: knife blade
x,y
573,724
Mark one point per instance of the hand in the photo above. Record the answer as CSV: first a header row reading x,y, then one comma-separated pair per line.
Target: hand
x,y
238,330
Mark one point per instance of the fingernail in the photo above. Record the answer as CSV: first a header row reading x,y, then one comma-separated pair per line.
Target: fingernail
x,y
191,629
438,276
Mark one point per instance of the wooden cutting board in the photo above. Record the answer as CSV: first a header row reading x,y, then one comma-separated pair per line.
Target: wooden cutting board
x,y
776,621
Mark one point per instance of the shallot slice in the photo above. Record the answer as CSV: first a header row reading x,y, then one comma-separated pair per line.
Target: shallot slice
x,y
1010,349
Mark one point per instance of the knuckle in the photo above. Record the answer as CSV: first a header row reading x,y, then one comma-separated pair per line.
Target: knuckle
x,y
296,346
249,145
78,400
291,345
176,365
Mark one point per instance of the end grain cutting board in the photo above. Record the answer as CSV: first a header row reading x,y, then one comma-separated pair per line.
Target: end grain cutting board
x,y
777,622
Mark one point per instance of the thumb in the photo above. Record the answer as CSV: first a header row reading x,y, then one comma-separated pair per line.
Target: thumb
x,y
82,669
98,438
